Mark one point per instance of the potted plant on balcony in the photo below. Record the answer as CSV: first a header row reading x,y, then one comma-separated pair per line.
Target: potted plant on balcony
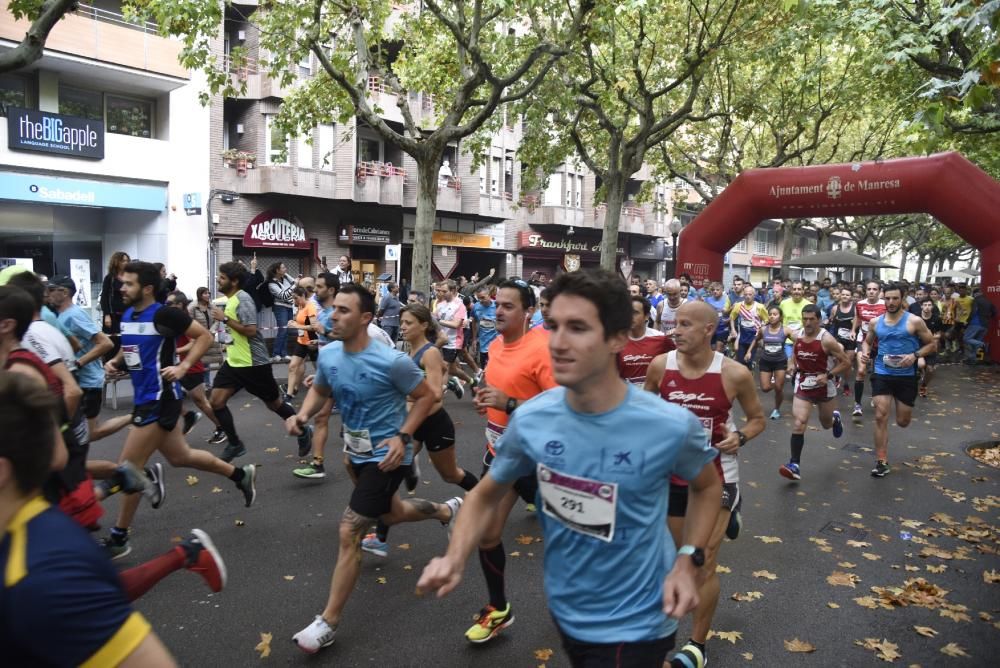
x,y
242,160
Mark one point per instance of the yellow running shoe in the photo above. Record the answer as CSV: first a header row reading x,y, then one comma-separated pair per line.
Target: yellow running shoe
x,y
489,623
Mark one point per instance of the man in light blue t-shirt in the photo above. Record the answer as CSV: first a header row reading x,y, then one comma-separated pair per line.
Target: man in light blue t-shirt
x,y
602,452
94,344
484,323
370,383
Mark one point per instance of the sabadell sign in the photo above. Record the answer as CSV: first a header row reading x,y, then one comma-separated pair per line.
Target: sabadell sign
x,y
29,130
274,229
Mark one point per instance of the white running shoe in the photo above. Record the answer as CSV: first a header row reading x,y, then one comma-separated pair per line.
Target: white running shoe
x,y
454,504
315,637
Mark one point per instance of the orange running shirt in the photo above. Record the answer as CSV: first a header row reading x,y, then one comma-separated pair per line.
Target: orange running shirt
x,y
307,311
521,371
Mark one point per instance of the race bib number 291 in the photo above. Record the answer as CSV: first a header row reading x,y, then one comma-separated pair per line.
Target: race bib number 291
x,y
580,504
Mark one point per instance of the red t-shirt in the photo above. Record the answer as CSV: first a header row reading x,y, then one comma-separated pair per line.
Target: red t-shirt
x,y
634,360
196,368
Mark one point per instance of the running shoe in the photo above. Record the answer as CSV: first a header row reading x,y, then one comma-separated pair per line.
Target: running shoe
x,y
838,425
202,558
922,391
190,420
231,452
480,376
735,521
313,471
413,477
775,414
455,385
305,440
276,359
454,503
218,437
690,656
489,623
128,479
857,410
881,469
530,508
156,491
248,484
315,637
790,471
116,547
372,545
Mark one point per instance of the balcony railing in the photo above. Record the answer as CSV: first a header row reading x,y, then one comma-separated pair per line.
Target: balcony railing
x,y
765,248
381,169
114,18
243,69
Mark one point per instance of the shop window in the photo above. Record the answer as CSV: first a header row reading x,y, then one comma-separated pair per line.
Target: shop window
x,y
81,103
13,92
276,143
130,116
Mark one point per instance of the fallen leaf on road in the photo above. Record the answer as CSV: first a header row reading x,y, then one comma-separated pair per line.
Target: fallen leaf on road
x,y
381,580
956,615
796,645
936,569
747,655
832,605
264,646
992,577
867,602
515,554
846,564
731,636
925,631
216,490
407,567
524,539
954,649
404,546
271,450
749,596
768,539
543,654
841,579
883,649
719,568
289,577
858,543
870,557
240,523
192,480
765,574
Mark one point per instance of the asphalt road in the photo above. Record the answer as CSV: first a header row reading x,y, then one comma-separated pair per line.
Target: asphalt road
x,y
280,553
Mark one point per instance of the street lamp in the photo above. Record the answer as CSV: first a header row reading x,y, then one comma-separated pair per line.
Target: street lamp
x,y
228,197
675,229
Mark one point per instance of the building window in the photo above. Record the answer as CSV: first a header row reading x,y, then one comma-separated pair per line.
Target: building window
x,y
482,179
305,150
129,116
741,247
496,172
369,150
326,141
578,202
765,242
553,192
13,92
81,103
276,143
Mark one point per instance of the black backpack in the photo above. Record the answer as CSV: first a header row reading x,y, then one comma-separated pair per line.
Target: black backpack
x,y
264,294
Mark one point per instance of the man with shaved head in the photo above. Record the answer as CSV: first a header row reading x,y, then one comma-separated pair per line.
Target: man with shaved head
x,y
666,311
707,383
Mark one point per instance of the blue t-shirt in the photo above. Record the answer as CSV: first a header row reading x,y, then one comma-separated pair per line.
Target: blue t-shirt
x,y
486,323
536,319
49,316
604,583
720,304
66,603
325,317
76,321
370,388
148,347
893,343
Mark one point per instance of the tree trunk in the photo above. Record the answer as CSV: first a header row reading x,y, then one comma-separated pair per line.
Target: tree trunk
x,y
614,186
902,263
920,267
427,194
822,245
788,230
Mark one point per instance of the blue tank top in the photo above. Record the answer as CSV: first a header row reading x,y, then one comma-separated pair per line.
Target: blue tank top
x,y
147,353
894,342
720,307
773,345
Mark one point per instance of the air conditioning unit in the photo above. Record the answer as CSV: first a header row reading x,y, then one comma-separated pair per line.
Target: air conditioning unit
x,y
241,35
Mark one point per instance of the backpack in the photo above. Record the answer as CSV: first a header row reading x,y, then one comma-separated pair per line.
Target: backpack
x,y
264,294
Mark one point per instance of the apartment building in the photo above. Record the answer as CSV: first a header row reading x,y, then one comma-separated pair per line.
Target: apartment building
x,y
106,150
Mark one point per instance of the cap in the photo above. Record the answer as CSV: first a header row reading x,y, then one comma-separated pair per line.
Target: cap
x,y
10,271
63,281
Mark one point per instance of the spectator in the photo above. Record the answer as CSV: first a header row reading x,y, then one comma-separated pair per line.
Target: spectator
x,y
280,286
343,271
983,313
112,306
388,312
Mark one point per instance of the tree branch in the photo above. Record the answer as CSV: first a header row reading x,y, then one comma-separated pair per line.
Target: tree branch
x,y
32,46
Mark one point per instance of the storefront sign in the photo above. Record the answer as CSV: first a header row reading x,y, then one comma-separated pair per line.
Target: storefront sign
x,y
536,241
274,229
29,130
366,235
81,192
764,261
647,249
461,240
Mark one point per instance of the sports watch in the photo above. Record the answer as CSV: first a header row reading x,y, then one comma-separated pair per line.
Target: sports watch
x,y
742,437
404,437
696,553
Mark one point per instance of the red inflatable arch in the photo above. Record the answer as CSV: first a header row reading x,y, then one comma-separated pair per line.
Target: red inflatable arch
x,y
946,185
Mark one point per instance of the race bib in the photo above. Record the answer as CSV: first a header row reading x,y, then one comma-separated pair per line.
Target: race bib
x,y
487,325
773,348
580,504
493,434
748,324
707,424
808,382
844,333
357,442
133,360
893,361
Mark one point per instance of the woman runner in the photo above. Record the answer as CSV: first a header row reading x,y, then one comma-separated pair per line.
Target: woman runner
x,y
773,361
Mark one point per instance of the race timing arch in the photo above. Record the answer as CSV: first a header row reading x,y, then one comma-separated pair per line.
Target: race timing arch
x,y
946,186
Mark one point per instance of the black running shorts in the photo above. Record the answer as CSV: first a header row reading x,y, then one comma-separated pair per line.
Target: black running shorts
x,y
525,486
767,366
193,380
374,489
449,354
164,413
437,432
257,380
900,388
91,402
636,654
679,498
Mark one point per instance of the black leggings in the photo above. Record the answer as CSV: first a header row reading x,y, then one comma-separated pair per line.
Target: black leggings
x,y
645,654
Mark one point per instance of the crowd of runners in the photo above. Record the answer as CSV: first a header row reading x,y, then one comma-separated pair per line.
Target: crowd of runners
x,y
608,408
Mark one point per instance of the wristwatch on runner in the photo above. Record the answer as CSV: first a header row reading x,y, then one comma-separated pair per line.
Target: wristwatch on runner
x,y
404,437
742,437
511,405
696,553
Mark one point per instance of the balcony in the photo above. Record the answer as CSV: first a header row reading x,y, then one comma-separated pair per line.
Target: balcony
x,y
765,248
101,35
280,179
450,194
257,85
631,221
379,183
534,213
499,205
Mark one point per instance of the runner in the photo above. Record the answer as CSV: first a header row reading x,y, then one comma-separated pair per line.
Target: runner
x,y
371,383
707,384
791,313
437,432
305,347
747,319
718,300
817,358
451,315
868,309
927,365
148,338
247,364
614,580
773,360
843,313
666,315
521,368
193,381
900,340
643,345
484,324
